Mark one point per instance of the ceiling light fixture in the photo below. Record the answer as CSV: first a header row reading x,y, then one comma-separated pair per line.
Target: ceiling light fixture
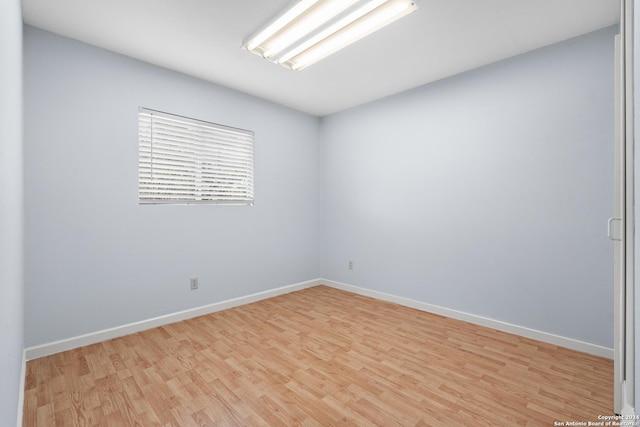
x,y
310,30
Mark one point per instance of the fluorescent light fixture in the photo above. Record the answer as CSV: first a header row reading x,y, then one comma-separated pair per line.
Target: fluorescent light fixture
x,y
310,30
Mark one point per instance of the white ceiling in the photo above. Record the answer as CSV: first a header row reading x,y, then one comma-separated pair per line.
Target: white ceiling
x,y
202,38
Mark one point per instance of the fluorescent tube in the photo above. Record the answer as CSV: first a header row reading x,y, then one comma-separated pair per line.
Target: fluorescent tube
x,y
369,23
311,30
279,22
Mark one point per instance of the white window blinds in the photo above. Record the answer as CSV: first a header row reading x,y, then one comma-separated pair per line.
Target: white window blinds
x,y
184,160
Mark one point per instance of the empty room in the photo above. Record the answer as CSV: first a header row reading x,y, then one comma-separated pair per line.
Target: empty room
x,y
317,212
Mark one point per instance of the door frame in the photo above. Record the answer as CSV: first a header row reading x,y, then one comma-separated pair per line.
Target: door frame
x,y
624,310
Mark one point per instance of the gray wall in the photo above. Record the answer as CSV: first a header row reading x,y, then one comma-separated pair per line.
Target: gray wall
x,y
11,201
95,258
488,192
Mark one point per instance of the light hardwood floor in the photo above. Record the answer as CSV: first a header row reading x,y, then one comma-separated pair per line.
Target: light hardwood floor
x,y
318,357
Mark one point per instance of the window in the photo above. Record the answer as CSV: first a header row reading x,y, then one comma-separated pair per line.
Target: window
x,y
182,160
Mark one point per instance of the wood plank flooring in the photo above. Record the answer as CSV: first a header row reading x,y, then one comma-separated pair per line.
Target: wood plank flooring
x,y
318,357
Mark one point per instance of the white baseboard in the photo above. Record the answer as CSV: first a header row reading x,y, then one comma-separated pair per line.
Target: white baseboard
x,y
573,344
23,374
119,331
106,334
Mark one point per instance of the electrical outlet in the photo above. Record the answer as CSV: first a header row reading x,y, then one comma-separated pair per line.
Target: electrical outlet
x,y
194,283
350,265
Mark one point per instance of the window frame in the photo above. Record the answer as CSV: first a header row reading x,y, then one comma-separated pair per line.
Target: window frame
x,y
198,162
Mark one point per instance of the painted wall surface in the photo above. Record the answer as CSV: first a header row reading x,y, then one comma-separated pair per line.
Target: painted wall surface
x,y
488,192
96,258
11,210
